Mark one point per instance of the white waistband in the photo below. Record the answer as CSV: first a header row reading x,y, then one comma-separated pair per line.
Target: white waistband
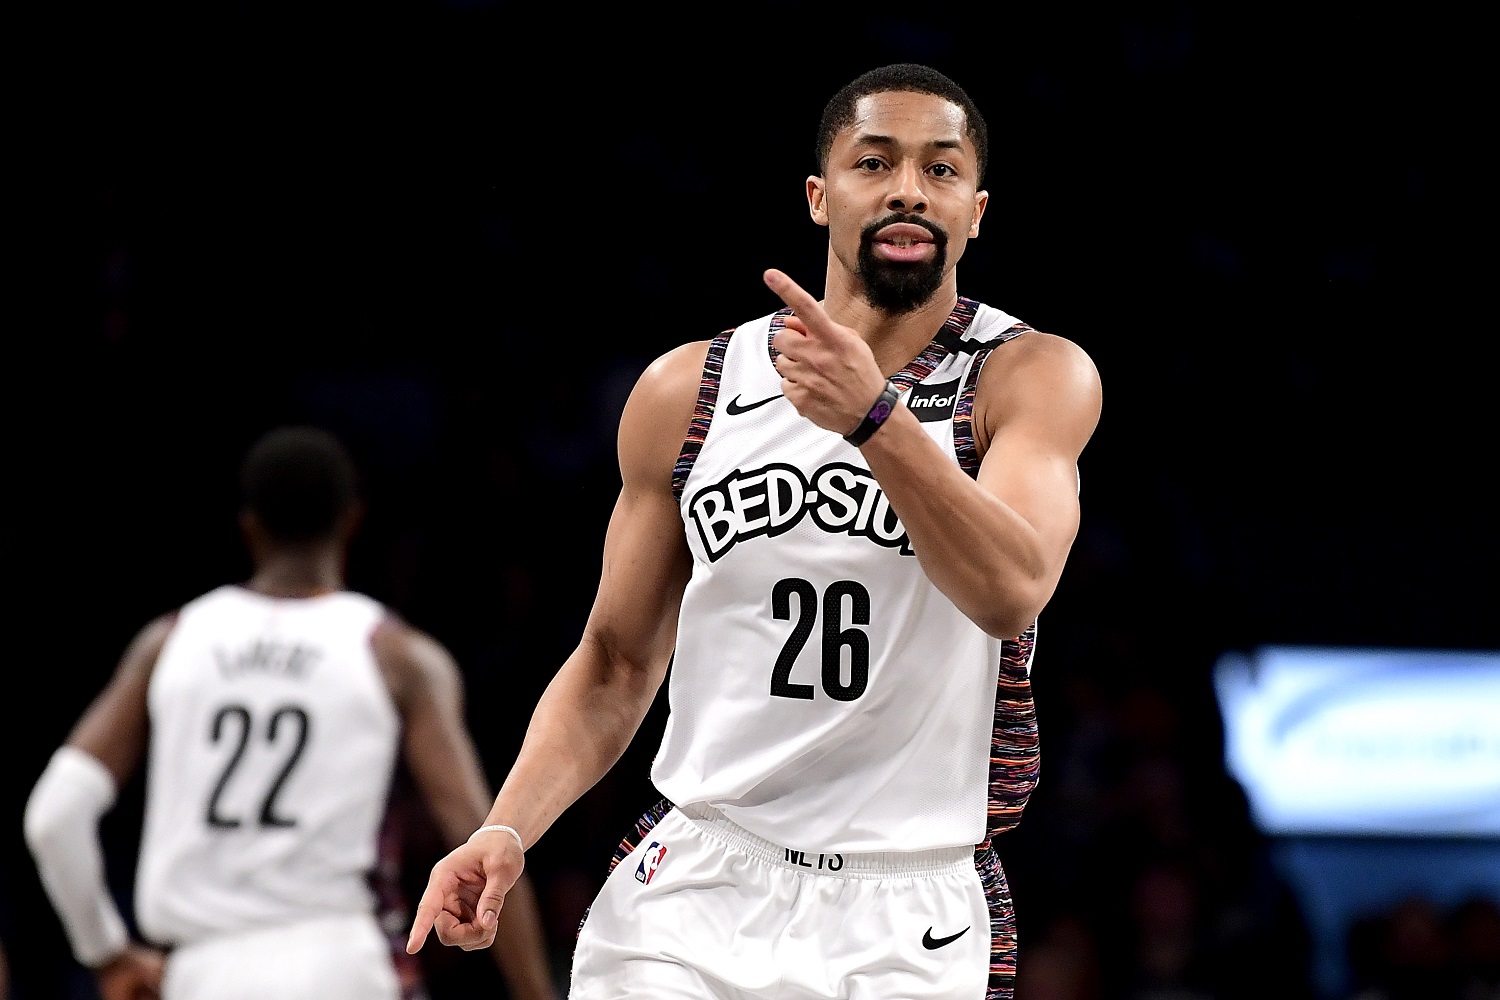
x,y
937,861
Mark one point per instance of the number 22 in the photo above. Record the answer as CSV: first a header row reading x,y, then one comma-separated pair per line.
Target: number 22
x,y
241,717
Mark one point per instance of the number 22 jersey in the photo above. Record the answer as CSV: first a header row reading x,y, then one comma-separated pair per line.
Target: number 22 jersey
x,y
273,743
823,693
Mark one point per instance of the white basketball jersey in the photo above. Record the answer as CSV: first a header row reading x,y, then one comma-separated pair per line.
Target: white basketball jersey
x,y
273,743
823,693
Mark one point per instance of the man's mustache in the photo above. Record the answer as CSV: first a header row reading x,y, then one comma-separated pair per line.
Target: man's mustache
x,y
938,235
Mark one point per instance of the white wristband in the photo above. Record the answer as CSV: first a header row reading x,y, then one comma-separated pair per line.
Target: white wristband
x,y
500,826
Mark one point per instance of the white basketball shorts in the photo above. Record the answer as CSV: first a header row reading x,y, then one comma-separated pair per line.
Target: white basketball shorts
x,y
322,958
703,910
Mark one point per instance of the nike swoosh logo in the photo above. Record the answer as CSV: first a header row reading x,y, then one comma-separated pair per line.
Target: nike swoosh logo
x,y
734,408
929,942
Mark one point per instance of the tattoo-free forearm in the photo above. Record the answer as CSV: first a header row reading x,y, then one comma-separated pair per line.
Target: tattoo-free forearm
x,y
582,724
984,555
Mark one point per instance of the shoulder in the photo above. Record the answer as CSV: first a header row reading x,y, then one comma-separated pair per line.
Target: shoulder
x,y
1039,373
672,379
658,412
410,659
396,640
1037,351
154,633
146,645
1058,362
115,725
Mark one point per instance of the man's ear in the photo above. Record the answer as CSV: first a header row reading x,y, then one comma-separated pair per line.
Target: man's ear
x,y
981,199
817,203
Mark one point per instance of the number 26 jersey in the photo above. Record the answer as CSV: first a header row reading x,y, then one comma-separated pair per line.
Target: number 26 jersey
x,y
823,694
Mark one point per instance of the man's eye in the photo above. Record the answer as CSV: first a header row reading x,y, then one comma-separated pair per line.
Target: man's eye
x,y
942,170
871,163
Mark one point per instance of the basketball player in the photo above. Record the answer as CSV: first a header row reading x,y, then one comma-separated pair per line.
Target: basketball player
x,y
270,715
839,522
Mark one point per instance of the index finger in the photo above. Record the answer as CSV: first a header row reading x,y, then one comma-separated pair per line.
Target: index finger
x,y
427,911
794,295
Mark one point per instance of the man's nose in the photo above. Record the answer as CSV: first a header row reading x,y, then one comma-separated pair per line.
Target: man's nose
x,y
906,189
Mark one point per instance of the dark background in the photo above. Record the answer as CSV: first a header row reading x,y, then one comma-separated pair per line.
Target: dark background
x,y
456,232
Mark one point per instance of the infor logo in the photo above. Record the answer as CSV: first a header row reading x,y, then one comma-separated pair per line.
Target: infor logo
x,y
933,402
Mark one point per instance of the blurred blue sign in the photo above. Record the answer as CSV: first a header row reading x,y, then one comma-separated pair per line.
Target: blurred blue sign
x,y
1364,741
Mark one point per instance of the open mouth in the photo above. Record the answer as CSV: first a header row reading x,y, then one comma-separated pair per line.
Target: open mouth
x,y
903,244
903,241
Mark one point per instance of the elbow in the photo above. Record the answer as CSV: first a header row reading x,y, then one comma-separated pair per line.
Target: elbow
x,y
1013,608
49,814
1005,626
74,791
40,825
52,817
628,674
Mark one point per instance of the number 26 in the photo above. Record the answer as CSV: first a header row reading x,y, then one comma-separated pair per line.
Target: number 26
x,y
835,637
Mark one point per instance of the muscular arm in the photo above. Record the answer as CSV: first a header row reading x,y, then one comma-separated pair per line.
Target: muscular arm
x,y
995,545
116,725
444,763
101,753
597,700
595,703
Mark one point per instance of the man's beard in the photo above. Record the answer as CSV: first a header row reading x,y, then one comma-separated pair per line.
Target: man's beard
x,y
895,286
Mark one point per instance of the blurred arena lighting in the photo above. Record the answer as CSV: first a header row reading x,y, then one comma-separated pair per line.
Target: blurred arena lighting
x,y
1365,741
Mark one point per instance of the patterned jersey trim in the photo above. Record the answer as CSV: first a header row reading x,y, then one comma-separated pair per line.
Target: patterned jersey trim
x,y
1002,982
1015,758
703,412
965,445
1014,744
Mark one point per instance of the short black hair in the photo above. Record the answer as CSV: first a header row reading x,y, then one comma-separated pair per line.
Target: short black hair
x,y
838,113
299,480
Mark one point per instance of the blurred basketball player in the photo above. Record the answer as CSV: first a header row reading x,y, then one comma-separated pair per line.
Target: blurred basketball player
x,y
269,716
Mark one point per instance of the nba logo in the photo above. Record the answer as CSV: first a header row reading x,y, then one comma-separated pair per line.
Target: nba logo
x,y
649,862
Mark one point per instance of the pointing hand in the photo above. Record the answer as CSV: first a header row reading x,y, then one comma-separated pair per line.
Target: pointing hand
x,y
827,370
